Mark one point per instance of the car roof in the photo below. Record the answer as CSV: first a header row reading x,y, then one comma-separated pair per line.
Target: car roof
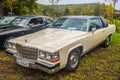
x,y
8,16
33,16
81,17
28,17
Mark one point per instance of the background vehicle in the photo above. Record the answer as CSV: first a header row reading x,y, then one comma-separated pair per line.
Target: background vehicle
x,y
62,44
23,25
6,19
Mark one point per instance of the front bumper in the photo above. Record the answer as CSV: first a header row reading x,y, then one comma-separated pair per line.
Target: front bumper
x,y
10,51
36,64
46,67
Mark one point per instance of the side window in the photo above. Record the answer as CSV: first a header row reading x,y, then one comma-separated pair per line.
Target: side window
x,y
32,22
35,21
96,22
104,22
40,20
49,20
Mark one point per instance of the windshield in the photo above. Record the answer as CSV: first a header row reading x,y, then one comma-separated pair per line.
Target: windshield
x,y
70,24
6,20
19,21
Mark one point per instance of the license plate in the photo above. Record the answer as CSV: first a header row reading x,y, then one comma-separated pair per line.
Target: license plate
x,y
22,62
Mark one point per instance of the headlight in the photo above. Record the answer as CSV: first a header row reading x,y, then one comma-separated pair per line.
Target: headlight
x,y
7,44
41,55
10,45
49,57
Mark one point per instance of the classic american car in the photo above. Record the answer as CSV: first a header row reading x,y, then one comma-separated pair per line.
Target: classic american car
x,y
23,25
62,44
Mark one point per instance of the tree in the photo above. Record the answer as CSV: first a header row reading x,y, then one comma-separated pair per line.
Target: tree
x,y
66,12
87,10
20,7
53,2
113,3
38,10
102,9
97,10
77,10
10,5
110,12
71,11
1,7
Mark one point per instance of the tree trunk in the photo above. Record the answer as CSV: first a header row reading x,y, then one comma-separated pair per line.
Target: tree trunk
x,y
1,8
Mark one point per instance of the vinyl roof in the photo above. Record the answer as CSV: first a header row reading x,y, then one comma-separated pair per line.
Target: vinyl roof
x,y
81,17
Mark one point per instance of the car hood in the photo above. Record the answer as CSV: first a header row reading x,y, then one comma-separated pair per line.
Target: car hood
x,y
6,29
50,39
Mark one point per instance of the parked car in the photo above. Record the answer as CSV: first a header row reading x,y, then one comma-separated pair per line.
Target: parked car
x,y
22,25
6,19
62,44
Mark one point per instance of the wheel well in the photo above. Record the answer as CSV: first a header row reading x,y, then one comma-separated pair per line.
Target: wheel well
x,y
109,35
79,49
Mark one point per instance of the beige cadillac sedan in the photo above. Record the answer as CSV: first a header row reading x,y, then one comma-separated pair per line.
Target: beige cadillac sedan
x,y
62,44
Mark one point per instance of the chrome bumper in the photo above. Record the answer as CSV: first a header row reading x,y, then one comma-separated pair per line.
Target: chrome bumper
x,y
49,68
36,64
10,51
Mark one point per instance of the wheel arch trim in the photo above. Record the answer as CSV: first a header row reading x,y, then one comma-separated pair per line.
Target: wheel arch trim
x,y
75,47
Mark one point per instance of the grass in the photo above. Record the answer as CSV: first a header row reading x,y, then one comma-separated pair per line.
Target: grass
x,y
99,64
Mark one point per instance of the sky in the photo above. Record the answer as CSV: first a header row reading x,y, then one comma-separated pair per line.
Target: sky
x,y
64,2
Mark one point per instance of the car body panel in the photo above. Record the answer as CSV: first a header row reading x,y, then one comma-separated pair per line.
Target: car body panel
x,y
45,40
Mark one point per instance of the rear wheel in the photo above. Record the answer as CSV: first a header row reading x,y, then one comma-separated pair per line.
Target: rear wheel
x,y
73,61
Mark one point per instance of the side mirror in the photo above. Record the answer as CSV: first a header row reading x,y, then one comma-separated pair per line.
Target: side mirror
x,y
93,29
106,25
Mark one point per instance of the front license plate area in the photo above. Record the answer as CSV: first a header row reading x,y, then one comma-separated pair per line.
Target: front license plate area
x,y
22,62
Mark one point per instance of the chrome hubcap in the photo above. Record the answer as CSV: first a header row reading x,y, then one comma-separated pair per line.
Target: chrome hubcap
x,y
74,60
107,41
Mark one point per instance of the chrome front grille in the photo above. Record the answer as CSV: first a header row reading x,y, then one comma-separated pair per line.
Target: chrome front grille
x,y
27,52
19,48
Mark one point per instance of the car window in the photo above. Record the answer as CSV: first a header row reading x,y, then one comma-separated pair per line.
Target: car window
x,y
96,23
104,22
49,20
70,24
19,21
7,20
36,21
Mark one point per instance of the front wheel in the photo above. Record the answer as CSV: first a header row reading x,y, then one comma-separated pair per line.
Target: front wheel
x,y
106,43
73,61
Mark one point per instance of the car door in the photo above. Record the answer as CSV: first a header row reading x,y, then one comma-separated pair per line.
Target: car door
x,y
95,37
36,24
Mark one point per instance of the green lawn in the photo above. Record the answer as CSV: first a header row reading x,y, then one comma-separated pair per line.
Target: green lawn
x,y
99,64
